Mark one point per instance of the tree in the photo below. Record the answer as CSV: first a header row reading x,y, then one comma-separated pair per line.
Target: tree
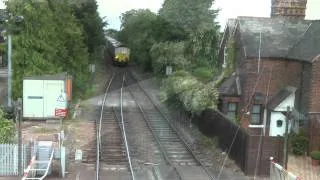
x,y
189,15
112,33
86,13
50,41
7,130
168,53
137,34
197,20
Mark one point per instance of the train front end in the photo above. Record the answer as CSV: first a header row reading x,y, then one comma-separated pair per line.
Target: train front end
x,y
122,56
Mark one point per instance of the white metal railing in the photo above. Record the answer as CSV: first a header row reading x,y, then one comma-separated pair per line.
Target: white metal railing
x,y
277,172
99,129
124,132
9,160
32,163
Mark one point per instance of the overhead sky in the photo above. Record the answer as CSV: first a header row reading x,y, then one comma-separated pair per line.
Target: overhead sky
x,y
229,9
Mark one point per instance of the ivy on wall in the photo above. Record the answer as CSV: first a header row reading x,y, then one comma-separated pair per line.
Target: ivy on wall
x,y
230,62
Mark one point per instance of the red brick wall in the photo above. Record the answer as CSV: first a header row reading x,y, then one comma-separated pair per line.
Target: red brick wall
x,y
314,103
314,131
281,73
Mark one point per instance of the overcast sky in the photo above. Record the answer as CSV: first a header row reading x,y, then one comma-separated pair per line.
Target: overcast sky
x,y
229,9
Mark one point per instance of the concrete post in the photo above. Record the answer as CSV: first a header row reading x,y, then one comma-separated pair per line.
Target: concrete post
x,y
9,71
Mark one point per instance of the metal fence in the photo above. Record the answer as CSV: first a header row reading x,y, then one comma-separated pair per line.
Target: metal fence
x,y
9,159
277,172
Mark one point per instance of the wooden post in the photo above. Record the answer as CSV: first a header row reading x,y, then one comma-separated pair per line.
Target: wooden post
x,y
19,113
286,140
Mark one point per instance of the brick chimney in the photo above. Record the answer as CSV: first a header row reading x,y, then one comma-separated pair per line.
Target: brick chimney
x,y
292,9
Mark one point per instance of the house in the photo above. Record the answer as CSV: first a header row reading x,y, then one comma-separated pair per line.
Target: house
x,y
272,67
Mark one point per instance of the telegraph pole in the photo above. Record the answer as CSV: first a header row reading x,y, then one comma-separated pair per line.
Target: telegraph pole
x,y
9,70
286,139
19,113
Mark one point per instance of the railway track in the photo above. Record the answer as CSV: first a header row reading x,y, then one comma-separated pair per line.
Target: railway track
x,y
113,150
112,147
175,150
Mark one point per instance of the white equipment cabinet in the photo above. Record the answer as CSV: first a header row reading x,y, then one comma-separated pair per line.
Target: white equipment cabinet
x,y
44,98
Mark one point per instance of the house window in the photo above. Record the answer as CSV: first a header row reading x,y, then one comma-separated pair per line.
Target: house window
x,y
256,118
279,123
232,111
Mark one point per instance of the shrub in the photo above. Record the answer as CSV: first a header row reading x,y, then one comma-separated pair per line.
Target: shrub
x,y
299,143
204,74
315,155
7,129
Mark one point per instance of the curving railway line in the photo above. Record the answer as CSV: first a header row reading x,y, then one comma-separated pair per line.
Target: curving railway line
x,y
174,149
136,141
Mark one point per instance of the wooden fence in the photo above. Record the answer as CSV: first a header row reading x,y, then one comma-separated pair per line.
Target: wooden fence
x,y
244,151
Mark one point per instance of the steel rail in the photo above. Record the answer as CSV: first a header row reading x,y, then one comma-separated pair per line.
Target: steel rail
x,y
99,129
124,129
152,130
175,129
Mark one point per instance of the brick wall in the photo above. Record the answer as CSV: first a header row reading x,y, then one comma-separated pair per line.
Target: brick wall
x,y
314,131
314,103
281,73
314,106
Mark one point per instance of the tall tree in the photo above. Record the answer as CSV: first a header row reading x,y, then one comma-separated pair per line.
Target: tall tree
x,y
197,20
189,15
137,34
86,12
50,41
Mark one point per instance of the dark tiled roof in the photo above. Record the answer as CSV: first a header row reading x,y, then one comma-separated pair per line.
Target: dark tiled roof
x,y
229,86
309,45
231,24
280,96
278,36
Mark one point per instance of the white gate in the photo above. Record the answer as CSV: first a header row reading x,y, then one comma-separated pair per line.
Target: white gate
x,y
9,159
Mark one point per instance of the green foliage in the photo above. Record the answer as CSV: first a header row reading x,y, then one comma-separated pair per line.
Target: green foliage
x,y
112,33
315,155
204,74
299,143
7,130
168,53
202,46
211,142
230,62
163,31
183,35
194,95
51,41
88,16
189,15
137,35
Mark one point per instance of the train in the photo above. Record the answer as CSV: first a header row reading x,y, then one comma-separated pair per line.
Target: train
x,y
120,54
